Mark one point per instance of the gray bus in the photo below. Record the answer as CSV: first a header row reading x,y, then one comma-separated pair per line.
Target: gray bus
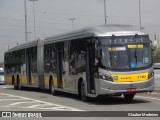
x,y
101,60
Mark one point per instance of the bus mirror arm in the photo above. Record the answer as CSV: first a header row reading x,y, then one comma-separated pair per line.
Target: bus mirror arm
x,y
97,53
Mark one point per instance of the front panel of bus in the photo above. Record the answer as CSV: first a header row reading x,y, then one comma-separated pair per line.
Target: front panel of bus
x,y
125,64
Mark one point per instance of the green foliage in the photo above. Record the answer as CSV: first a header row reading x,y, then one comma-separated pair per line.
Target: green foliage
x,y
155,54
1,64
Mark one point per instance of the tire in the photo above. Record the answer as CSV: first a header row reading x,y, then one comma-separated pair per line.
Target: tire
x,y
83,92
18,85
129,97
52,89
15,84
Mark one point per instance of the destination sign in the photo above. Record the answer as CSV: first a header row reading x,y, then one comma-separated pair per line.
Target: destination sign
x,y
118,40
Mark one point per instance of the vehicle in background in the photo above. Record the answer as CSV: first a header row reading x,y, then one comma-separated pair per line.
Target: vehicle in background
x,y
1,76
156,65
1,69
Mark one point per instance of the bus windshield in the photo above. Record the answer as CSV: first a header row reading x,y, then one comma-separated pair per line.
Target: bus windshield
x,y
125,56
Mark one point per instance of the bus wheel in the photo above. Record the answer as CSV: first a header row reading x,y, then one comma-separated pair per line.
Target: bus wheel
x,y
53,91
15,85
19,85
128,97
83,92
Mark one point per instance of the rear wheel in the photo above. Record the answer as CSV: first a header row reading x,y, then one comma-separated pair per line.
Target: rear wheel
x,y
18,84
52,89
83,92
15,84
129,97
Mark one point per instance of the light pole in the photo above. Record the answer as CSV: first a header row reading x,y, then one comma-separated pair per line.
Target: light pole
x,y
34,18
140,24
25,15
105,16
72,19
28,33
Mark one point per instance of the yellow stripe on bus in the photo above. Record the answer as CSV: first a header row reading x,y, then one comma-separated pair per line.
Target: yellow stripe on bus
x,y
56,83
8,80
46,80
23,79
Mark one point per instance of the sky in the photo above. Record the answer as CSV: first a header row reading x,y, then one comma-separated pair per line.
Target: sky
x,y
52,17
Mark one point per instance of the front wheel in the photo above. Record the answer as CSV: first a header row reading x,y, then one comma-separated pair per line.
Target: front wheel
x,y
19,87
83,92
129,97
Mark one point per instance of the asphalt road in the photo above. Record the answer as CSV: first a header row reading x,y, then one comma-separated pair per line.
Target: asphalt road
x,y
157,79
38,100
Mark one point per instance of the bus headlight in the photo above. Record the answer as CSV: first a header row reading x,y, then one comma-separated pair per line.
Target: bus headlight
x,y
151,74
106,77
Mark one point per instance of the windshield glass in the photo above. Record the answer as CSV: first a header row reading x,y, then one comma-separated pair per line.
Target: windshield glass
x,y
125,56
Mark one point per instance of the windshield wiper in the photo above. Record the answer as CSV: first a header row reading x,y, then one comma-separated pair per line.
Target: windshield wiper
x,y
135,55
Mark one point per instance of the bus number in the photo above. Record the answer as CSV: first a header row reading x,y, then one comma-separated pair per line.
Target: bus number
x,y
141,76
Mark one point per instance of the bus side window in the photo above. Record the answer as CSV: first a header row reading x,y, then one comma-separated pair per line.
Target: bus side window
x,y
53,61
72,58
77,60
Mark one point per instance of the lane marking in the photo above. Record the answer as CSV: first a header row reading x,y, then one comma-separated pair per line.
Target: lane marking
x,y
38,102
148,98
33,106
10,99
5,87
154,93
17,103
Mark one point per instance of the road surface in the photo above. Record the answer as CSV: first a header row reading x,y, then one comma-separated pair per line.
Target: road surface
x,y
38,100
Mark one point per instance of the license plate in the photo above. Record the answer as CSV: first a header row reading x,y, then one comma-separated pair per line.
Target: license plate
x,y
131,90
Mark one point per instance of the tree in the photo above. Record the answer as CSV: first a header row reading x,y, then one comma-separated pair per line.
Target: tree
x,y
155,54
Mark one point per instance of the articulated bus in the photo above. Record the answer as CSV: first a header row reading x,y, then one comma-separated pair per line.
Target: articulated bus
x,y
90,62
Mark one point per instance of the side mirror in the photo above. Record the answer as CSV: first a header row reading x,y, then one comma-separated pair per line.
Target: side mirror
x,y
97,48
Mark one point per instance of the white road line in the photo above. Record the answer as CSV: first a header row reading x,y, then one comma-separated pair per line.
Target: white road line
x,y
10,99
38,101
17,103
155,93
148,98
33,106
54,108
6,87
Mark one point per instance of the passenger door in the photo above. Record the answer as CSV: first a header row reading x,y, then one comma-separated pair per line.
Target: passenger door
x,y
29,57
59,53
90,71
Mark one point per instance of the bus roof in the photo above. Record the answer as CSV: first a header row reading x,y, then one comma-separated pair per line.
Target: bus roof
x,y
96,31
23,46
101,30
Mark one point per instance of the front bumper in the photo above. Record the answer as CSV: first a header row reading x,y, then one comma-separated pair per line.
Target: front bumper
x,y
113,88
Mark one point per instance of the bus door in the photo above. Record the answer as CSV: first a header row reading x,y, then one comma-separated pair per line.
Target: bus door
x,y
90,68
59,53
29,57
